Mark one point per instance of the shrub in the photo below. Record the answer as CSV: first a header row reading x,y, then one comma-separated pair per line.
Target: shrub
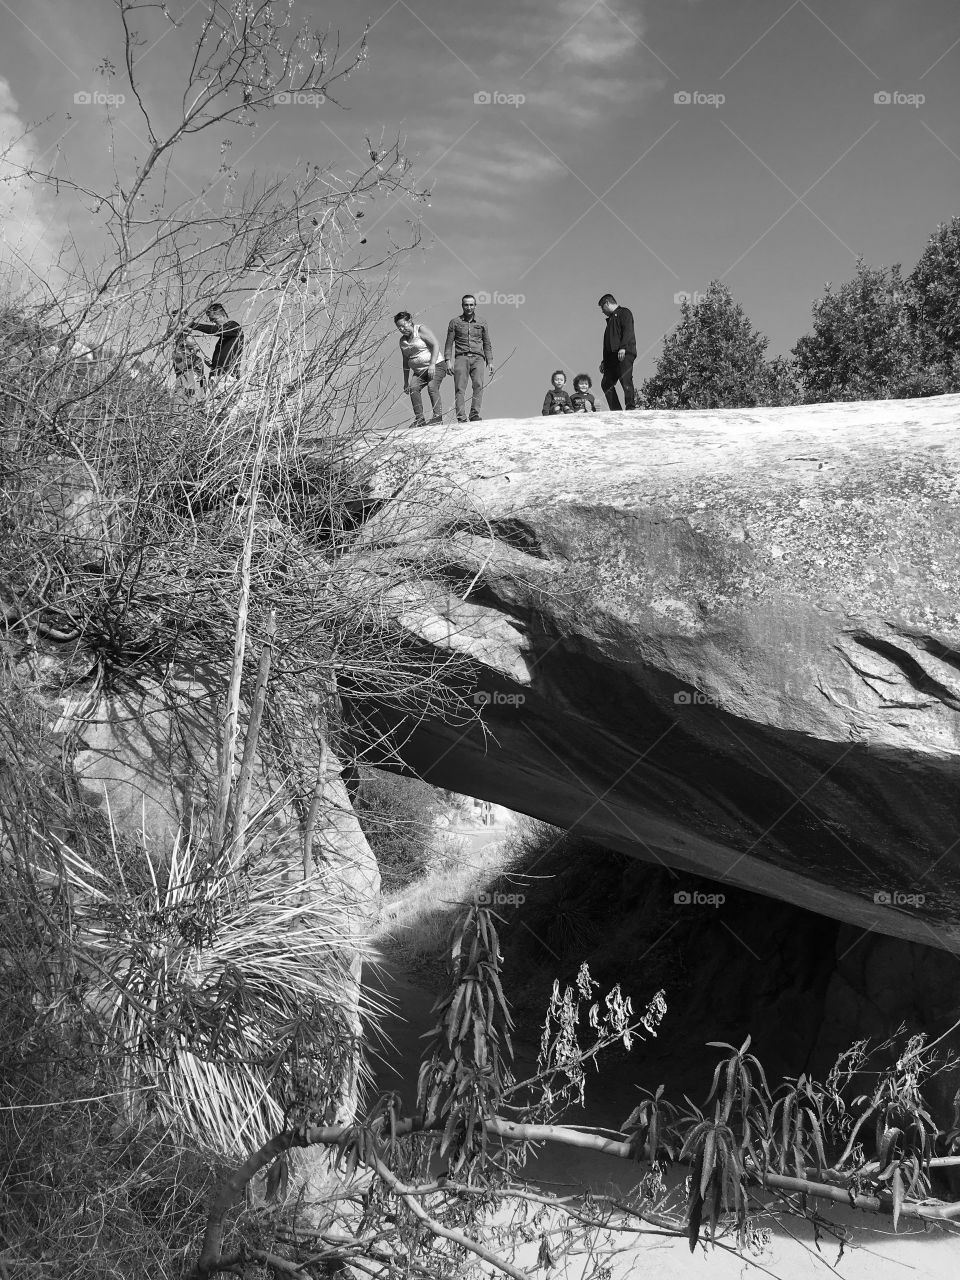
x,y
713,359
863,345
933,301
83,1193
398,816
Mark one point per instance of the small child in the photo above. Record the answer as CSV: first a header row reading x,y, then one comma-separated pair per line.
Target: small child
x,y
556,400
582,401
189,367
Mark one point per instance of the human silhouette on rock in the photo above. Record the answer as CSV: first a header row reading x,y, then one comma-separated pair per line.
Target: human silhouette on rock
x,y
421,366
469,350
556,400
619,353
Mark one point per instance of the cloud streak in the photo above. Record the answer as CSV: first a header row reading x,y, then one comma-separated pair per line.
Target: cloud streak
x,y
28,235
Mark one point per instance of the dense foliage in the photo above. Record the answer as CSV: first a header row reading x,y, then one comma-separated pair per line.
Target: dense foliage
x,y
713,359
399,818
862,345
877,336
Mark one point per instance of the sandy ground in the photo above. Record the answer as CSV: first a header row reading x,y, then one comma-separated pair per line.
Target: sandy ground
x,y
874,1254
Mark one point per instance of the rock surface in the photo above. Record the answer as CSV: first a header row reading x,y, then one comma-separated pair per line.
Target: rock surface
x,y
727,642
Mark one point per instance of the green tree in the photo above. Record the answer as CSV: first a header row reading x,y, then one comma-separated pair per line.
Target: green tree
x,y
398,816
713,359
863,345
934,301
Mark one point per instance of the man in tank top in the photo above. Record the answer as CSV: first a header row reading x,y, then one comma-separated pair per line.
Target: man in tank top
x,y
423,366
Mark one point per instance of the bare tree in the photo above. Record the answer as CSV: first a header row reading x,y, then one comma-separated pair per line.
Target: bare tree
x,y
201,566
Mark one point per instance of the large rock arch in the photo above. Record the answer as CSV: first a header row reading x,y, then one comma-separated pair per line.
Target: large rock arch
x,y
726,641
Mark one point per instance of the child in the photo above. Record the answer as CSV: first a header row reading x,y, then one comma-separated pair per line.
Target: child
x,y
189,367
582,401
556,400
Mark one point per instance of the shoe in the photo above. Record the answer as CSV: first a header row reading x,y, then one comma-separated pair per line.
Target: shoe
x,y
419,422
475,417
461,419
438,417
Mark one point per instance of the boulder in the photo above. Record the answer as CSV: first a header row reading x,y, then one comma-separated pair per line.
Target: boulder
x,y
724,642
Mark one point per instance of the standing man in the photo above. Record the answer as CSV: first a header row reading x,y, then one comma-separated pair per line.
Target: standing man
x,y
468,349
619,353
229,348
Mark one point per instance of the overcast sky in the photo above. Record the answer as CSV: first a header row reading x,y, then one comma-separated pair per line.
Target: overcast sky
x,y
638,146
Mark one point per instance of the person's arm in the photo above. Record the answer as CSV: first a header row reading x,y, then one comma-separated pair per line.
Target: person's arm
x,y
547,402
487,347
200,327
448,345
434,346
406,371
628,338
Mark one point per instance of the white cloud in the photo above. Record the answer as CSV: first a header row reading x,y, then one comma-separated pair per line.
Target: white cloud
x,y
28,235
583,62
497,165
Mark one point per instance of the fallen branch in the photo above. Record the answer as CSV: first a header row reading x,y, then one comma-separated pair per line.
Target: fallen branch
x,y
437,1228
513,1131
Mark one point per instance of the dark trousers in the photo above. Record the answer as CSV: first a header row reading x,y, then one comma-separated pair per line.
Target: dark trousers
x,y
468,369
621,371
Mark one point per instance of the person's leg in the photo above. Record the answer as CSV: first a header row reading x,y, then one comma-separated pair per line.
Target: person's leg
x,y
478,375
461,376
608,384
416,396
434,389
626,381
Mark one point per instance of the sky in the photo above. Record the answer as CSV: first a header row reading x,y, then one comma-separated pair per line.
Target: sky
x,y
641,147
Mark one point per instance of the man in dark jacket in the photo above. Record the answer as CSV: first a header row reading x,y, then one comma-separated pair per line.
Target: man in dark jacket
x,y
229,348
619,353
469,353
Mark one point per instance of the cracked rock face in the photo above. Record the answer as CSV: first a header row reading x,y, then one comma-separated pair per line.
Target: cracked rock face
x,y
724,641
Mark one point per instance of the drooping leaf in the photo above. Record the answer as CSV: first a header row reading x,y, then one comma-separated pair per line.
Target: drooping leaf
x,y
707,1161
896,1188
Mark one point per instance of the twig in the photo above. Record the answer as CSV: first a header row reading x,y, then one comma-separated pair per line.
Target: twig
x,y
445,1233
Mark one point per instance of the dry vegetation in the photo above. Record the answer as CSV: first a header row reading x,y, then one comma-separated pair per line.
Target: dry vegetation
x,y
174,996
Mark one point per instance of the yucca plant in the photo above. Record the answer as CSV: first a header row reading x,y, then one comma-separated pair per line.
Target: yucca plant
x,y
225,994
